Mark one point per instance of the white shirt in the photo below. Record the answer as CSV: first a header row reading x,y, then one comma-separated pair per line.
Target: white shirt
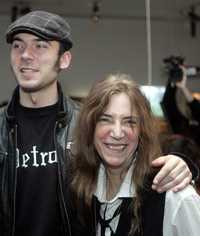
x,y
109,207
181,214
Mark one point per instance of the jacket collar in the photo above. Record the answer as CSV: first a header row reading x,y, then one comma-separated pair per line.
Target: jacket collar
x,y
63,116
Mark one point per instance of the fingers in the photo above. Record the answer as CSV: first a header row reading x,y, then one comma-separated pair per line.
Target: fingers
x,y
174,175
158,162
174,183
167,167
178,173
183,184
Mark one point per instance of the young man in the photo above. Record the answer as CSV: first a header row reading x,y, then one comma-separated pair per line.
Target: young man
x,y
36,132
36,129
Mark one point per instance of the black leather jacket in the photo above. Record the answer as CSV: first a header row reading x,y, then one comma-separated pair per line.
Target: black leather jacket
x,y
8,139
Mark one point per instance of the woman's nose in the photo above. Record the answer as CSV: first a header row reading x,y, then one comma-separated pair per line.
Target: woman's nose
x,y
117,131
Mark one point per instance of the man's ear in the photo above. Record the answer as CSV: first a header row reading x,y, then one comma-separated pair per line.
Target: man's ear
x,y
65,60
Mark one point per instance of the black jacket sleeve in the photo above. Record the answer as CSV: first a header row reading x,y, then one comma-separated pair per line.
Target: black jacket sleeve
x,y
176,120
195,109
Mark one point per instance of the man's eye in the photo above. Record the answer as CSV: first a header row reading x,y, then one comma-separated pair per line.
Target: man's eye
x,y
41,45
16,45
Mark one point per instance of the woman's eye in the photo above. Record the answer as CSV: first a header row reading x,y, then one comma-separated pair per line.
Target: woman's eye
x,y
104,119
131,122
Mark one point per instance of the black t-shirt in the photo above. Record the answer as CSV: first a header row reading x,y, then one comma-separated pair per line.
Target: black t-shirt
x,y
37,207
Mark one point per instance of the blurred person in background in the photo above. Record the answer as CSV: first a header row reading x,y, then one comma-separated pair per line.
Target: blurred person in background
x,y
181,109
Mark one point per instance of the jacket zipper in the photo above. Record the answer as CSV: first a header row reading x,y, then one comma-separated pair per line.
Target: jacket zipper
x,y
4,153
95,216
60,181
14,133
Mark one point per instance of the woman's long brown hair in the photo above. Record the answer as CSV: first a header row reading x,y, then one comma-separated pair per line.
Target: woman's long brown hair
x,y
86,161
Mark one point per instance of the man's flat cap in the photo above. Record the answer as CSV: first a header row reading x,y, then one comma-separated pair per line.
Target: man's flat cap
x,y
46,25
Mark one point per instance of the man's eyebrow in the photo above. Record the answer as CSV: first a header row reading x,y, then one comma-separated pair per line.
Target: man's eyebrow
x,y
18,38
42,40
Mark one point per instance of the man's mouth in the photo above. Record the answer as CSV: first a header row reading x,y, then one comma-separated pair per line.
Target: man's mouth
x,y
27,70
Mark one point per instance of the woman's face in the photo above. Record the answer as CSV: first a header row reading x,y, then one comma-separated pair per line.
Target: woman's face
x,y
117,133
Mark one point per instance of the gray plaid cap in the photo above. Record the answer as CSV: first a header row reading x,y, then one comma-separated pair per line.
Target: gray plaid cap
x,y
44,24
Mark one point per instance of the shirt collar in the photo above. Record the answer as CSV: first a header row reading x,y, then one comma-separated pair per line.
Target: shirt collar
x,y
127,189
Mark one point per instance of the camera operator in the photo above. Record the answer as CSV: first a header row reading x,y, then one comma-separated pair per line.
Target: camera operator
x,y
180,108
193,103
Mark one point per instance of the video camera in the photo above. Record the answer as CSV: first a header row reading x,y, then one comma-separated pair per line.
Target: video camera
x,y
173,67
175,73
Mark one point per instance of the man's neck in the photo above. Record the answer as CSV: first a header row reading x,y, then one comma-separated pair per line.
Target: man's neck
x,y
42,98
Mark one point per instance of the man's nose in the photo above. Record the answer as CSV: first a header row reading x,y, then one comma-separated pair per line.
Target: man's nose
x,y
28,53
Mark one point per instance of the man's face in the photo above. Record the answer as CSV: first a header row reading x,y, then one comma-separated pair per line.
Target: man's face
x,y
34,61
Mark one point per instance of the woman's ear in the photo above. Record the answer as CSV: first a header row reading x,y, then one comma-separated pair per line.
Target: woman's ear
x,y
65,60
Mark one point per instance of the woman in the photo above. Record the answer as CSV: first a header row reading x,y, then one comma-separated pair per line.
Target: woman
x,y
116,143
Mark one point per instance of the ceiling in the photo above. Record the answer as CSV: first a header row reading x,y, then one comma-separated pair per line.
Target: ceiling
x,y
160,9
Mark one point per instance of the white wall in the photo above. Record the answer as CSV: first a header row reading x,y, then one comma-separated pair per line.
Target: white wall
x,y
113,46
